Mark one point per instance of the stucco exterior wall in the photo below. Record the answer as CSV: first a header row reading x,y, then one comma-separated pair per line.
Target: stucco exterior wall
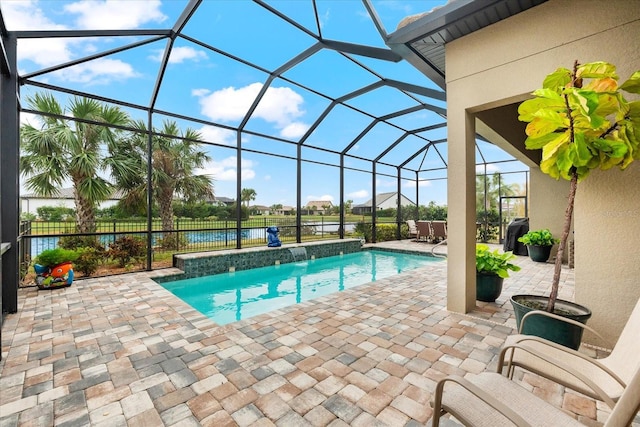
x,y
547,204
607,250
502,64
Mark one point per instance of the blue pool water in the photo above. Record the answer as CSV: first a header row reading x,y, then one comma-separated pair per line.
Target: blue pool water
x,y
229,297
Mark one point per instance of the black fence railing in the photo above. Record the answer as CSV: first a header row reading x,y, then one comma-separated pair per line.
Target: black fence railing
x,y
187,236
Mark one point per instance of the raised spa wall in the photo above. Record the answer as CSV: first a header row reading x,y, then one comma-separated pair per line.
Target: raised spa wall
x,y
207,263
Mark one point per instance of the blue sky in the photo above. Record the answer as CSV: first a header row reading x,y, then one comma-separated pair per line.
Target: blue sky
x,y
207,85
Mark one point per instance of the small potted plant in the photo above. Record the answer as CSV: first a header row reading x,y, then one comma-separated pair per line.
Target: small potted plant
x,y
539,244
54,268
492,267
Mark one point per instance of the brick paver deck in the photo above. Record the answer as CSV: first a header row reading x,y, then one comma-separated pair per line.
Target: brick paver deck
x,y
122,351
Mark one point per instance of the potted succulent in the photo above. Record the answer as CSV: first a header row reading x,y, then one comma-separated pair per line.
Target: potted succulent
x,y
581,121
539,244
492,267
54,268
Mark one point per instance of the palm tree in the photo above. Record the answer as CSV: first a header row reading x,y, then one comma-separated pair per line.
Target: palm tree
x,y
275,208
248,194
64,150
347,206
175,156
489,189
494,189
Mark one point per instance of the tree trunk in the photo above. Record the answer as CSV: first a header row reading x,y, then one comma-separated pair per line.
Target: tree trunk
x,y
166,210
85,213
568,215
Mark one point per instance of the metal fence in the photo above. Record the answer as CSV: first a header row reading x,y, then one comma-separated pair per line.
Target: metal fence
x,y
187,236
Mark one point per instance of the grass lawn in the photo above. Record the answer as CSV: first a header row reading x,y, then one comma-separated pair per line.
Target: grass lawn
x,y
140,225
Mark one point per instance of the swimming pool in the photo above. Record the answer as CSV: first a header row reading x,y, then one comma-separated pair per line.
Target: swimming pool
x,y
229,297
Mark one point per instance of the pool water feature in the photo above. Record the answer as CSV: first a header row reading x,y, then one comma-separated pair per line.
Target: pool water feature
x,y
229,297
299,254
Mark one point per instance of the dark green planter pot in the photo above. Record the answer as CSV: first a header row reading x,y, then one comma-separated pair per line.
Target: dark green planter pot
x,y
488,286
548,328
539,253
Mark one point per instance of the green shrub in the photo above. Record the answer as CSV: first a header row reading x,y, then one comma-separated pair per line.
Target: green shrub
x,y
75,242
487,233
364,229
55,213
88,260
173,241
126,249
51,257
384,232
538,238
488,261
27,216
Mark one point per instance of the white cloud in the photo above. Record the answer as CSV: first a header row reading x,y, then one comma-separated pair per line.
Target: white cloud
x,y
279,106
360,194
30,119
324,18
116,14
200,92
218,135
396,5
267,178
326,197
294,130
98,71
45,53
179,55
412,184
25,15
90,48
226,169
383,183
491,168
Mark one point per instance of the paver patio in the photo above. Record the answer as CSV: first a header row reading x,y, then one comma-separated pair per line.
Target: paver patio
x,y
122,351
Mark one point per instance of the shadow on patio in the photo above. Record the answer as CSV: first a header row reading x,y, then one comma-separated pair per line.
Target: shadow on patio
x,y
123,351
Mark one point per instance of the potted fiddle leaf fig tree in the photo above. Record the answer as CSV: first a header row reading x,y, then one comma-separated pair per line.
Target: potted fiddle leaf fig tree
x,y
581,121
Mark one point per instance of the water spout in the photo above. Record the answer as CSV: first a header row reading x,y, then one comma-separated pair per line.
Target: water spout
x,y
299,254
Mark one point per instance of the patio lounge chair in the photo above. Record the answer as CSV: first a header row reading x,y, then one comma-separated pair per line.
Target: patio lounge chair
x,y
438,230
424,230
603,379
491,399
413,230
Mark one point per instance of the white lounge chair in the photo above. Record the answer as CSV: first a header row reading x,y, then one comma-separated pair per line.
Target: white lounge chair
x,y
491,399
603,379
413,230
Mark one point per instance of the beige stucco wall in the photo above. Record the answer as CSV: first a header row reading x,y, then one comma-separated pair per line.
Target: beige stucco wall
x,y
501,64
607,249
547,204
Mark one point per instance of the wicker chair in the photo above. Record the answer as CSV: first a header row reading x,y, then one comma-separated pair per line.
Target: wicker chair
x,y
424,230
438,230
